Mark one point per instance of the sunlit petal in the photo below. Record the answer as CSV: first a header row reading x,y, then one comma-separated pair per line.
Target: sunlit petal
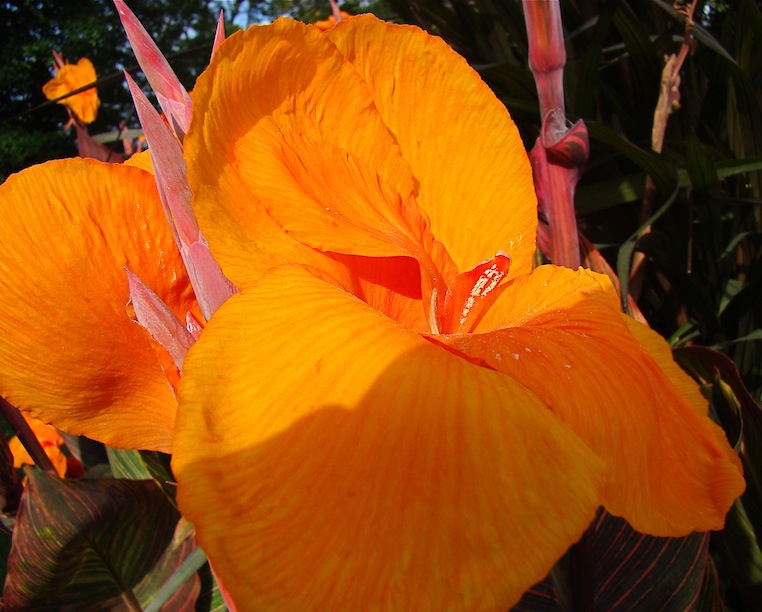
x,y
472,170
69,352
286,127
382,472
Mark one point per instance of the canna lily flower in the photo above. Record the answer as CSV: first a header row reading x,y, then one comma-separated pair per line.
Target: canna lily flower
x,y
397,411
71,353
69,77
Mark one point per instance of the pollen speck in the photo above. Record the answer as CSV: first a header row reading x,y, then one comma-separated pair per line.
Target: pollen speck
x,y
516,356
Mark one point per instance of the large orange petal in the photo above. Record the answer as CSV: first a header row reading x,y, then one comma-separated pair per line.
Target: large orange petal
x,y
475,181
670,469
284,127
331,459
69,352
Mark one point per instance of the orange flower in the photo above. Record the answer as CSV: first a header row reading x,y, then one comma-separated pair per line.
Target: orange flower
x,y
70,77
50,440
405,415
70,352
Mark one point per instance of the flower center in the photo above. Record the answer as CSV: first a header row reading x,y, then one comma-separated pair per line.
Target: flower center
x,y
468,296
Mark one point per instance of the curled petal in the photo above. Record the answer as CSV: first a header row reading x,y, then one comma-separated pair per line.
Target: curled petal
x,y
372,469
391,285
473,176
289,130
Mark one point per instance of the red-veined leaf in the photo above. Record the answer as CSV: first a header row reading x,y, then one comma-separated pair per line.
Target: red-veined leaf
x,y
626,570
90,541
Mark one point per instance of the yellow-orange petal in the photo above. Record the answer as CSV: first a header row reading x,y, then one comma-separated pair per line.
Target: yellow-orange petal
x,y
475,181
332,459
670,469
284,127
69,353
70,77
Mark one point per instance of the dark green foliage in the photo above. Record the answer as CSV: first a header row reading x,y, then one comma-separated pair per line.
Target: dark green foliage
x,y
31,30
262,11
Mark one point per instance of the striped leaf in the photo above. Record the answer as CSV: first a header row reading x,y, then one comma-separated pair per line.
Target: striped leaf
x,y
617,568
89,544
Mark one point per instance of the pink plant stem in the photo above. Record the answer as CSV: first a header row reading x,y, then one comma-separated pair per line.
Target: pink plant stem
x,y
335,11
547,53
560,152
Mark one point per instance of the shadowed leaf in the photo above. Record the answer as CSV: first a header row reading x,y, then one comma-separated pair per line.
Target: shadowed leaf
x,y
739,543
88,541
210,599
174,583
630,571
662,172
143,465
10,487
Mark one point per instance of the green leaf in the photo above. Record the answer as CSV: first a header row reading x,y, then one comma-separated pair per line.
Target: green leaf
x,y
624,256
731,167
609,193
645,62
588,75
663,173
752,336
701,168
738,546
692,291
703,36
184,574
143,465
86,543
174,584
210,599
127,464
